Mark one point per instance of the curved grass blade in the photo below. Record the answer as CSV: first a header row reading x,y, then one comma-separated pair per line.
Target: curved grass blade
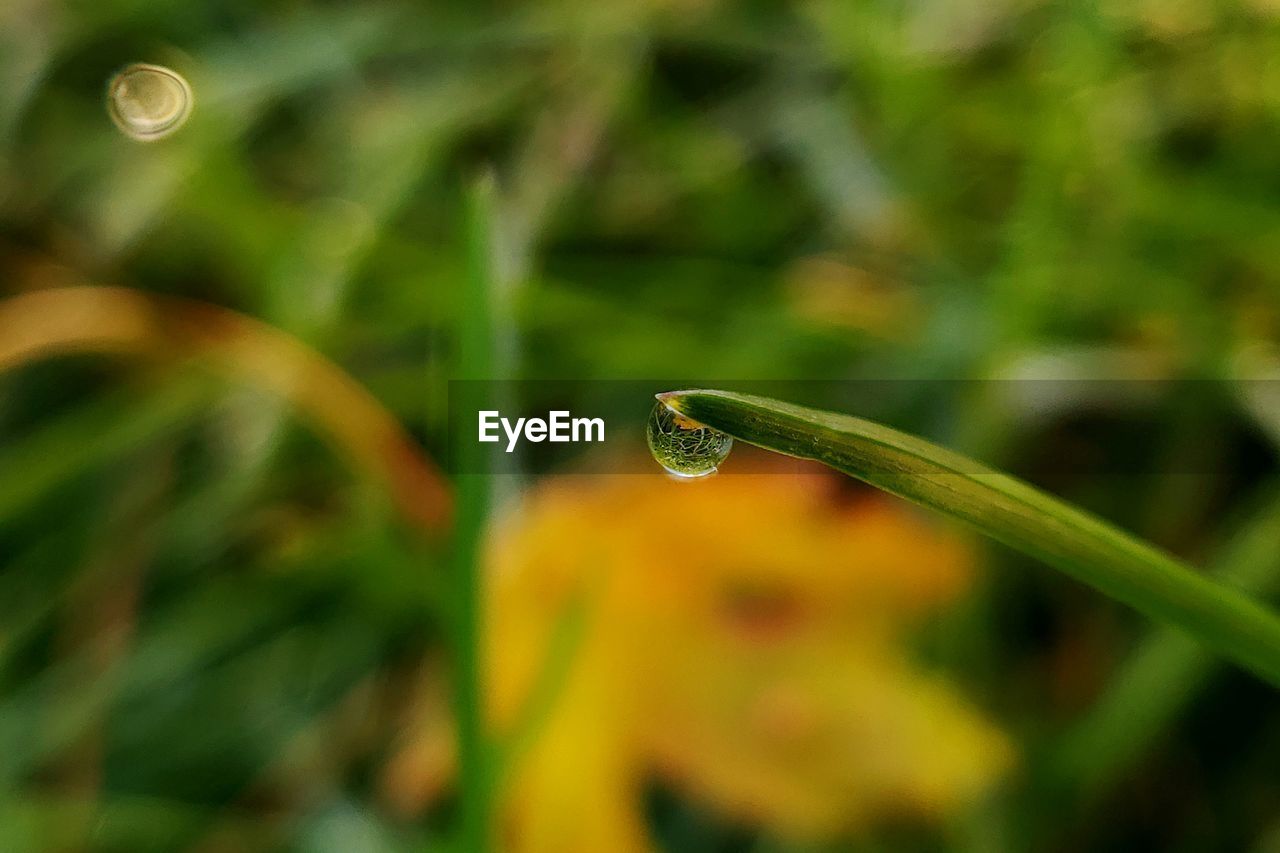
x,y
1009,510
119,320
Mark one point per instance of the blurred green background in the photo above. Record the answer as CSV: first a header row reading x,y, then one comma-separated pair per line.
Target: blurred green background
x,y
214,631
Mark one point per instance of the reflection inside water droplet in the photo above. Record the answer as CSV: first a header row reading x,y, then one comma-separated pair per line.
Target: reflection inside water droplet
x,y
148,102
684,448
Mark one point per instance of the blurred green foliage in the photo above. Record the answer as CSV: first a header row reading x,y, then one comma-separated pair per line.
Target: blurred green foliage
x,y
210,630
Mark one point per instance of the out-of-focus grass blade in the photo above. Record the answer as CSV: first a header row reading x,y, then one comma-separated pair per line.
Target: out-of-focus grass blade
x,y
122,823
1009,510
1163,673
562,651
476,358
48,712
91,435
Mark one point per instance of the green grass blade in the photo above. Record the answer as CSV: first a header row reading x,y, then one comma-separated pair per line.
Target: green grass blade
x,y
474,500
1009,510
1162,674
90,436
562,650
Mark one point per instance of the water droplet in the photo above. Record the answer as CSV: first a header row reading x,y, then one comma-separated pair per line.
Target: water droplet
x,y
148,102
683,447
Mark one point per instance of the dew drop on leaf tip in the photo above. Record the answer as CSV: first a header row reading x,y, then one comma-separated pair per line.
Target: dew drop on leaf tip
x,y
683,448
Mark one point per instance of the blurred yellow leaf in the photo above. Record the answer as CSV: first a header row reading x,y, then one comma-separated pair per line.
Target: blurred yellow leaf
x,y
743,643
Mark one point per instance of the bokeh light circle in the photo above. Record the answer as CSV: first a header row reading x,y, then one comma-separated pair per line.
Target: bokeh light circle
x,y
149,102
